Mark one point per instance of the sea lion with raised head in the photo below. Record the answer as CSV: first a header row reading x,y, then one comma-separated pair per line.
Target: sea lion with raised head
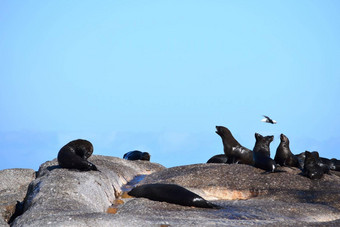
x,y
262,144
170,193
261,153
74,155
233,150
283,156
137,155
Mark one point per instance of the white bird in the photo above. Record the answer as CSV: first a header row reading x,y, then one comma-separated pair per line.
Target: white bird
x,y
268,120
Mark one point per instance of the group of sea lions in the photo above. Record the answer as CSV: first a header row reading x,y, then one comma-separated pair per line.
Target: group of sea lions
x,y
74,155
310,163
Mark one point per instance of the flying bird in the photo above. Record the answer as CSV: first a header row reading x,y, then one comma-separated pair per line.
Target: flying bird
x,y
268,120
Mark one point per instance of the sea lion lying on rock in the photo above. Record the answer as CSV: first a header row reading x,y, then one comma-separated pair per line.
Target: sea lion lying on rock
x,y
312,169
74,155
137,155
170,193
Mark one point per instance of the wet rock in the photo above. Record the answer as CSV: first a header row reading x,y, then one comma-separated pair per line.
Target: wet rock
x,y
13,188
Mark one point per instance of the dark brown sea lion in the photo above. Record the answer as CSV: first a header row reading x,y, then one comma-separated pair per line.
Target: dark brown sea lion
x,y
262,144
261,153
324,163
170,193
74,155
234,151
219,158
336,164
283,156
311,167
137,155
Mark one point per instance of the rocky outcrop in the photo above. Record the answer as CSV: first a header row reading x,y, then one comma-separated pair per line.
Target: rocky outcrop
x,y
13,188
58,192
246,195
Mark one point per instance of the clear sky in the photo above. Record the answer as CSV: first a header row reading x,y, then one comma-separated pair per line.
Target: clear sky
x,y
160,75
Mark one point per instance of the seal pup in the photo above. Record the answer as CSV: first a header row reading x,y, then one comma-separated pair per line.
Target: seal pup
x,y
262,144
170,193
268,120
283,156
311,168
219,158
74,155
234,151
137,155
261,153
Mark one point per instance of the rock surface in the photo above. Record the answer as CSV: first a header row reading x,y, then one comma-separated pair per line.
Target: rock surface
x,y
247,195
13,188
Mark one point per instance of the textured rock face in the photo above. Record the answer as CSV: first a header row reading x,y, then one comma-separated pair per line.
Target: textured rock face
x,y
13,188
247,195
234,181
58,192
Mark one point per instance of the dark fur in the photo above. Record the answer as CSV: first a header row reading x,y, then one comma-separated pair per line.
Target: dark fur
x,y
261,153
170,193
220,158
234,151
324,163
311,167
137,155
283,156
336,164
74,155
262,144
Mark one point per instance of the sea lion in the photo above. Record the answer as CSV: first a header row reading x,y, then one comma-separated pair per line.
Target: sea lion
x,y
324,163
311,167
137,155
283,156
301,158
336,164
219,158
170,193
262,144
264,162
234,151
74,155
261,153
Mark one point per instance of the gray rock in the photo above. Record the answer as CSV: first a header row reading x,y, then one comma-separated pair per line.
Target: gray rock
x,y
248,197
58,192
13,188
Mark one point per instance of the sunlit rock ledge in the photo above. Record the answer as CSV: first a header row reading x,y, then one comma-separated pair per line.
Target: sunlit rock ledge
x,y
247,195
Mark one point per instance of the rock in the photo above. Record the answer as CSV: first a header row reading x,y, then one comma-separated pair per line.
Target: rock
x,y
247,195
234,181
58,192
13,188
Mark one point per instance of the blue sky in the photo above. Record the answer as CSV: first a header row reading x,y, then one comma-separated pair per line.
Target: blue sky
x,y
160,75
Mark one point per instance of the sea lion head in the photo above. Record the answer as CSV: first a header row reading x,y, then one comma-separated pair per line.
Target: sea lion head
x,y
264,139
145,156
284,139
222,131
